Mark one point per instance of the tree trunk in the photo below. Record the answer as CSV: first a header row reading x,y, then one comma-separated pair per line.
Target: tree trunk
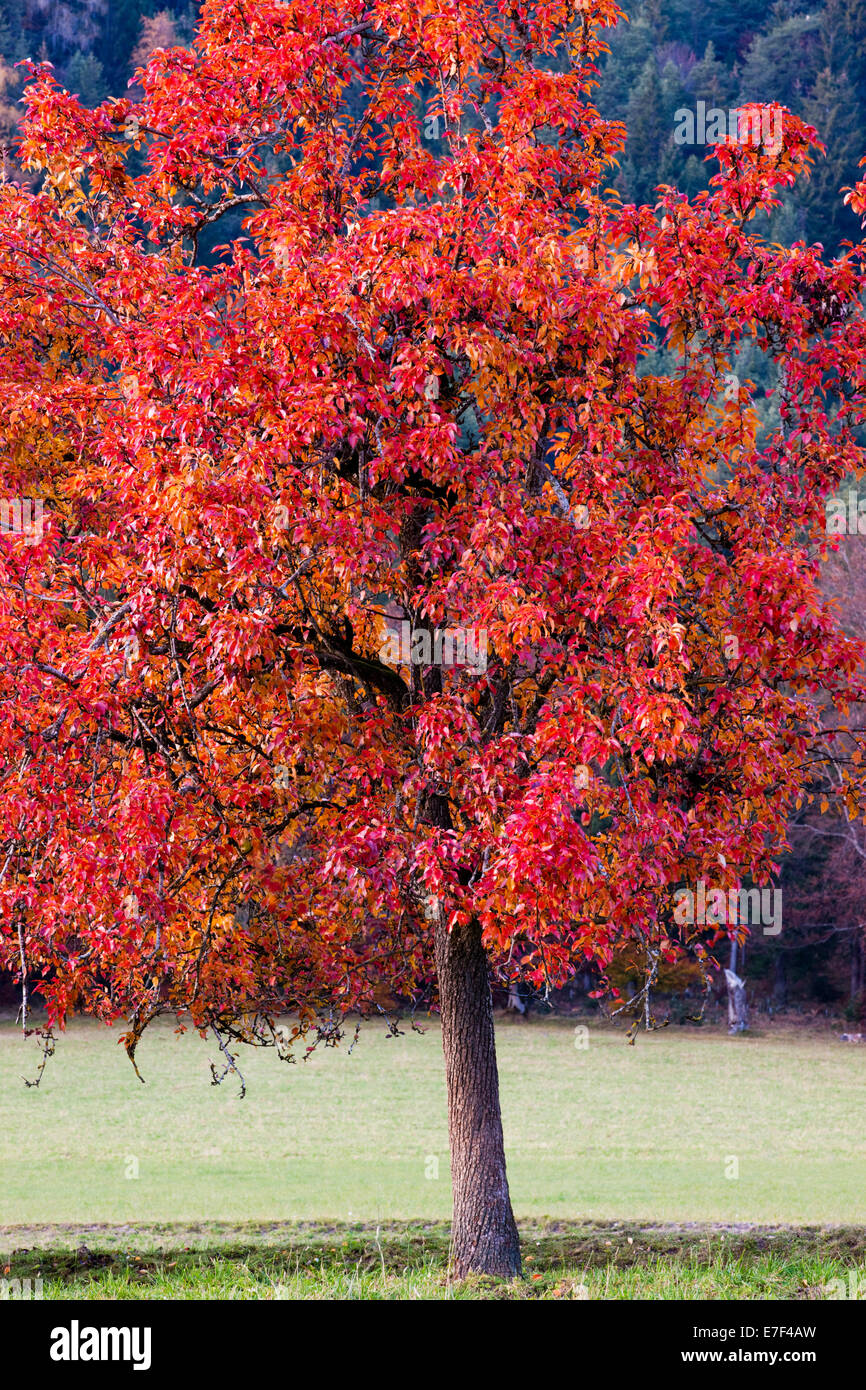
x,y
516,1001
737,1013
484,1236
857,962
780,981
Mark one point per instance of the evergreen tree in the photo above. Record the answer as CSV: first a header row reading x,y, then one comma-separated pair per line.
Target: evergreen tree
x,y
782,65
834,111
729,28
630,46
843,41
649,131
120,34
11,34
710,81
85,77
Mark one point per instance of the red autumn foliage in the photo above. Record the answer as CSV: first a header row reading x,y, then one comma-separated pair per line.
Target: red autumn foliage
x,y
425,381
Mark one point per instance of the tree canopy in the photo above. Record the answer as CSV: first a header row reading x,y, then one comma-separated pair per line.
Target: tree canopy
x,y
423,388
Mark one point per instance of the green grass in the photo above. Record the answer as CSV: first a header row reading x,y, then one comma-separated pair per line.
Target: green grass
x,y
330,1180
612,1132
410,1261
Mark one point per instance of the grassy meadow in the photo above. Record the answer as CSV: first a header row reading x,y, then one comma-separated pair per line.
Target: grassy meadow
x,y
632,1168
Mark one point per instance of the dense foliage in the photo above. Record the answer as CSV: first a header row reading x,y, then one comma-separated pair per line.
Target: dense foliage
x,y
425,388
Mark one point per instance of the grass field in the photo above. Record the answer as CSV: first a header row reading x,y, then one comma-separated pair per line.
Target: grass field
x,y
561,1260
688,1126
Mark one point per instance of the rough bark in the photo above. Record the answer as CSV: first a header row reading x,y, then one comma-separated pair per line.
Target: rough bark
x,y
484,1233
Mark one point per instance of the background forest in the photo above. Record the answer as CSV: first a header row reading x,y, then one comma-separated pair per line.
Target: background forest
x,y
670,55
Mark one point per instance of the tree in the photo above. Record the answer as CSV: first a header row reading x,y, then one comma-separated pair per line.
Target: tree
x,y
782,64
157,31
710,81
649,132
65,25
85,77
843,38
388,615
631,44
824,882
832,109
